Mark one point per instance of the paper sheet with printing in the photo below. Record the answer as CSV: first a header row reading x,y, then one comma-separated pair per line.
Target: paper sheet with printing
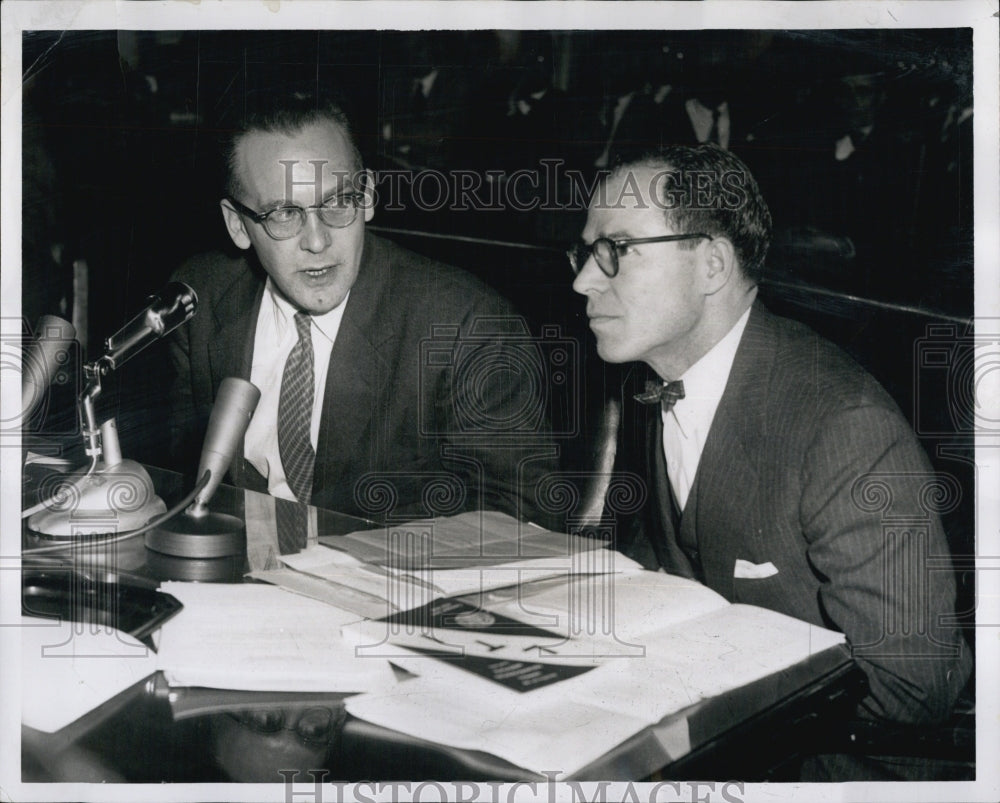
x,y
651,646
263,638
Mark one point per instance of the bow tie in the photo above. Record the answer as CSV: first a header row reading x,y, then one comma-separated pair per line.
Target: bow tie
x,y
666,394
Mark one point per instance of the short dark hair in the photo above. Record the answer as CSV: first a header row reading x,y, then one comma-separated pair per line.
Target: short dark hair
x,y
286,115
716,194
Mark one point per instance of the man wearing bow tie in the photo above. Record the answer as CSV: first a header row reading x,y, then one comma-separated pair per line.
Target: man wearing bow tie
x,y
759,439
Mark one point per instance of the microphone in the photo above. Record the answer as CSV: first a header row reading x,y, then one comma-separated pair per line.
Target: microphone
x,y
231,414
198,532
113,495
176,304
42,359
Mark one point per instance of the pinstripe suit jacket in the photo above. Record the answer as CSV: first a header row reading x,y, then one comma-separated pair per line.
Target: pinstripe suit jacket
x,y
409,396
810,466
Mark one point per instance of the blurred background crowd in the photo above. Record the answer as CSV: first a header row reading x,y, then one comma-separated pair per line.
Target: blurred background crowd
x,y
861,140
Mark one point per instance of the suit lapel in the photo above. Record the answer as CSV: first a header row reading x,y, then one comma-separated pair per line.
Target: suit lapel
x,y
235,317
726,484
231,354
358,370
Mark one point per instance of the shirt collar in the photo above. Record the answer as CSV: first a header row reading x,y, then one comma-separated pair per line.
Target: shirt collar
x,y
705,381
427,82
695,106
284,314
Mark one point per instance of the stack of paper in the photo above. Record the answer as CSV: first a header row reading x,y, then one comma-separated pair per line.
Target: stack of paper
x,y
258,637
228,636
475,538
375,573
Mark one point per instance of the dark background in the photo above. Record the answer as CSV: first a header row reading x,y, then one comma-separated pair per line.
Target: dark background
x,y
121,172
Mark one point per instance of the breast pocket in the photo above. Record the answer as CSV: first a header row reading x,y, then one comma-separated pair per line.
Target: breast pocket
x,y
757,584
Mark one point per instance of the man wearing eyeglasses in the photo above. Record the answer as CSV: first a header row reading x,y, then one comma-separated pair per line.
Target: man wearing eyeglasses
x,y
330,322
761,443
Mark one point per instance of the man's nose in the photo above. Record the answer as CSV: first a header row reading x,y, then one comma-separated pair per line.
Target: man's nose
x,y
315,235
591,278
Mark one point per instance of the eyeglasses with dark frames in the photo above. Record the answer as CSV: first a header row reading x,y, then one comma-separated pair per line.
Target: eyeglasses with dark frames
x,y
607,251
318,725
284,222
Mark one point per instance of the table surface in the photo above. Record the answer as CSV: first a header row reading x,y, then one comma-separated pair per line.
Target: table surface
x,y
152,734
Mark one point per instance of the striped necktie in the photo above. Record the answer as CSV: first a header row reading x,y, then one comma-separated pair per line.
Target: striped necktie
x,y
295,413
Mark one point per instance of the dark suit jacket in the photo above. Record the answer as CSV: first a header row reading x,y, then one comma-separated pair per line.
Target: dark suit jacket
x,y
414,421
810,466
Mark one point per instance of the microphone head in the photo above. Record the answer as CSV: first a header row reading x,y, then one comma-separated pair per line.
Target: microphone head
x,y
41,359
175,305
234,406
201,533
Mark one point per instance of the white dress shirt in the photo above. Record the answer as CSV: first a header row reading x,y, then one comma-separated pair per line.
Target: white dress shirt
x,y
275,337
701,121
686,425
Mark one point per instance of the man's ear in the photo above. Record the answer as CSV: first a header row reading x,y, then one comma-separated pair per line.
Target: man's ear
x,y
234,225
720,264
368,203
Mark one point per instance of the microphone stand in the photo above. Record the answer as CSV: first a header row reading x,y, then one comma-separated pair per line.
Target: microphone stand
x,y
92,372
113,494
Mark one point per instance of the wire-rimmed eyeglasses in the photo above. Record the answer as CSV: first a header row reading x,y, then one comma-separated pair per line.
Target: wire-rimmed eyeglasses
x,y
284,222
606,251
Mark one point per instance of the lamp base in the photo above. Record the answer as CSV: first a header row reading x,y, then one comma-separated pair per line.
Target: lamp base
x,y
214,535
110,500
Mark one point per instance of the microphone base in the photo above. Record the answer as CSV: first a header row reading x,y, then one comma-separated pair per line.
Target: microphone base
x,y
195,570
214,535
113,499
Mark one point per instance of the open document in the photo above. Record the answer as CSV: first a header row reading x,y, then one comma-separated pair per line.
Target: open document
x,y
579,618
599,669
